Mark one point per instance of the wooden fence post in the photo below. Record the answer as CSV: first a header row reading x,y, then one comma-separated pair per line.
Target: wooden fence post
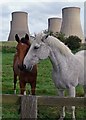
x,y
28,107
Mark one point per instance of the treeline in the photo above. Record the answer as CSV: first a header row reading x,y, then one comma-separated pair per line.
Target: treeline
x,y
73,42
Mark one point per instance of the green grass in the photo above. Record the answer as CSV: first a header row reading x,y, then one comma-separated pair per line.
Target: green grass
x,y
44,81
8,43
8,47
10,111
45,86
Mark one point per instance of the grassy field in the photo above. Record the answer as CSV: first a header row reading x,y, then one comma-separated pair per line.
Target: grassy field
x,y
45,86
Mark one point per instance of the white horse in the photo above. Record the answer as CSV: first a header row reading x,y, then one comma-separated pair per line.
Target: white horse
x,y
68,69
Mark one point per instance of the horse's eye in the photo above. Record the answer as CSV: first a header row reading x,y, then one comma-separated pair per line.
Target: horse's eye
x,y
36,47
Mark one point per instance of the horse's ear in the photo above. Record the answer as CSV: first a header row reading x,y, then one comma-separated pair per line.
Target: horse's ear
x,y
27,39
44,37
27,36
34,34
17,38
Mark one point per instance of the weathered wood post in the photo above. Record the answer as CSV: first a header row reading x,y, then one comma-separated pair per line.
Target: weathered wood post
x,y
28,107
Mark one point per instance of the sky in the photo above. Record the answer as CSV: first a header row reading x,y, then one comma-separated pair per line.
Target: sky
x,y
38,13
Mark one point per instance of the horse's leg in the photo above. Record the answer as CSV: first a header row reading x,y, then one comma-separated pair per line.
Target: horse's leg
x,y
72,93
15,80
33,87
62,115
22,88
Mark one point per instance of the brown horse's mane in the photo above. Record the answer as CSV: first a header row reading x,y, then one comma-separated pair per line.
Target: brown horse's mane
x,y
23,40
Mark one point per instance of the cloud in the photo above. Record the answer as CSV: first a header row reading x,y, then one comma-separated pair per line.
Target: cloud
x,y
36,1
85,19
38,13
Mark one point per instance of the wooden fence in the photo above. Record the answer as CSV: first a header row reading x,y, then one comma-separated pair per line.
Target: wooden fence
x,y
29,103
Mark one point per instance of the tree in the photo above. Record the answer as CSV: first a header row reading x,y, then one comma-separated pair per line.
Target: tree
x,y
60,36
73,42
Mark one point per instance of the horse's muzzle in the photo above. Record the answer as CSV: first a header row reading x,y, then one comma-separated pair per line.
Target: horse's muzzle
x,y
22,67
28,69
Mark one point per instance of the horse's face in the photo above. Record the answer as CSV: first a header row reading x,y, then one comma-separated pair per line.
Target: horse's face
x,y
21,52
38,51
22,49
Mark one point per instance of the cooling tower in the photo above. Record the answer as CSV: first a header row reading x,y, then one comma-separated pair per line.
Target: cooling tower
x,y
71,24
54,24
19,25
85,20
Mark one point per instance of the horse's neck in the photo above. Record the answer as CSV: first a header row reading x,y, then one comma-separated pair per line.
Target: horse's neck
x,y
53,60
57,59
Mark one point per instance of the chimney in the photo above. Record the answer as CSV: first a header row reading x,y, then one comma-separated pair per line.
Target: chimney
x,y
54,24
18,25
71,24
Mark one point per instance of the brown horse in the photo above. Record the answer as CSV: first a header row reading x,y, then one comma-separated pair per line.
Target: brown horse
x,y
18,68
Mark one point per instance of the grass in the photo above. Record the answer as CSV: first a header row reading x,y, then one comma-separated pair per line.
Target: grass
x,y
44,80
8,47
45,86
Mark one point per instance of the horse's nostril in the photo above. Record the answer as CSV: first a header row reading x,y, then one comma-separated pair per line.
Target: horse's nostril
x,y
20,67
24,66
30,68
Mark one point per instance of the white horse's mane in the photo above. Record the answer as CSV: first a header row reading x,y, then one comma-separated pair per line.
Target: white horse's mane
x,y
57,44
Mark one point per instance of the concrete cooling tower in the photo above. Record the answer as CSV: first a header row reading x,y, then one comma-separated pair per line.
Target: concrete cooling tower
x,y
18,25
71,24
54,24
85,20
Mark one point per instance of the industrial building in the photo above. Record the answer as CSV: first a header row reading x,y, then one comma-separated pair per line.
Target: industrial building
x,y
54,24
71,24
18,25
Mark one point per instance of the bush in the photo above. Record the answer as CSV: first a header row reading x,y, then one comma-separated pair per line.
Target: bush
x,y
58,35
73,42
61,37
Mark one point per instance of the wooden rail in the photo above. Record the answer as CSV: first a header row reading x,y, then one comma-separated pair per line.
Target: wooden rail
x,y
29,103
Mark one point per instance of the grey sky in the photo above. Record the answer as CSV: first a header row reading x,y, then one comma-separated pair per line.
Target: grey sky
x,y
38,14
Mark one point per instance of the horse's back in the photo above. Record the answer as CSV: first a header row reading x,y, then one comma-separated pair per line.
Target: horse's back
x,y
81,56
81,53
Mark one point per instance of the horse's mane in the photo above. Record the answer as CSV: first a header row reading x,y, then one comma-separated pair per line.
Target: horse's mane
x,y
57,44
23,40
